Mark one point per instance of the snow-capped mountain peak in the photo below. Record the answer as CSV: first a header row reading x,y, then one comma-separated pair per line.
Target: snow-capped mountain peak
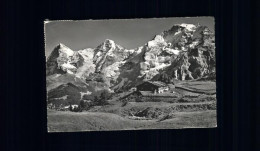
x,y
87,53
64,49
158,40
107,45
189,27
109,40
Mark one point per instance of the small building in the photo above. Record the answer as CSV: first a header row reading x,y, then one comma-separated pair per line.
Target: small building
x,y
149,96
153,86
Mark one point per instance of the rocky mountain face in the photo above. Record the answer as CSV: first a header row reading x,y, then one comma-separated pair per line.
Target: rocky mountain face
x,y
184,52
64,60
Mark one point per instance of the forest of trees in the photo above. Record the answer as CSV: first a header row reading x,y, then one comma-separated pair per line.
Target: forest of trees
x,y
99,99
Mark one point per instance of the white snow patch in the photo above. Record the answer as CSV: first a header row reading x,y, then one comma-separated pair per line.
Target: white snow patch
x,y
193,44
110,42
131,51
111,70
99,53
68,66
139,49
157,40
161,66
66,50
189,27
179,31
70,72
172,51
110,53
87,54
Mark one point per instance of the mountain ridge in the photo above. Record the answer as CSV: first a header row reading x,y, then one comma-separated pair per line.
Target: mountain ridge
x,y
184,52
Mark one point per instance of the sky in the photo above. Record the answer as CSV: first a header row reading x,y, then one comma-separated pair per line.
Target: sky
x,y
128,33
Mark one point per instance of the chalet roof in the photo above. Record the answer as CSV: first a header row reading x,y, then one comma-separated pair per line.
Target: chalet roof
x,y
146,93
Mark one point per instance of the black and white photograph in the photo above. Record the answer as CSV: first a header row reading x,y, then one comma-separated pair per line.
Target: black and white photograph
x,y
126,75
130,74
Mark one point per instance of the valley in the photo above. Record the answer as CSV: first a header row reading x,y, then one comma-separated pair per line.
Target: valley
x,y
189,110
